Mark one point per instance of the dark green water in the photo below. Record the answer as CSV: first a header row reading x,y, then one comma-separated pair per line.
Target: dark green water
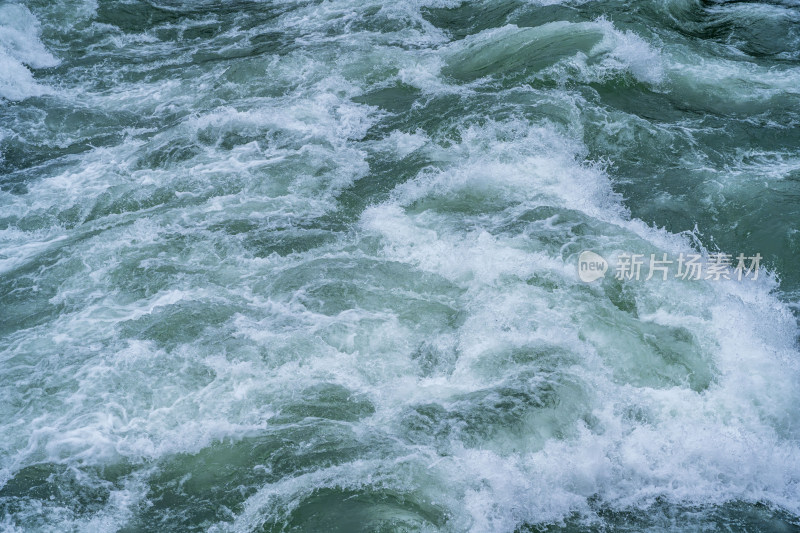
x,y
311,266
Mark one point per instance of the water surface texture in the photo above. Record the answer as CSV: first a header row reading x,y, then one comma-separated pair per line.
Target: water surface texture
x,y
310,266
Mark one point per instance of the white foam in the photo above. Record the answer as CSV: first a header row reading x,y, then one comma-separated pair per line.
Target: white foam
x,y
627,51
20,48
694,444
403,144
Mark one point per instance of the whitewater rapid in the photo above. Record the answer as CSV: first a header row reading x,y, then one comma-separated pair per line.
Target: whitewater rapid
x,y
311,266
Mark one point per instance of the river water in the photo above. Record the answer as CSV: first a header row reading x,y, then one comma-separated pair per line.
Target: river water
x,y
312,265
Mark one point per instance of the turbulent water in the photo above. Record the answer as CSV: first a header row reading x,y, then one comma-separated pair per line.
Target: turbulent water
x,y
312,265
